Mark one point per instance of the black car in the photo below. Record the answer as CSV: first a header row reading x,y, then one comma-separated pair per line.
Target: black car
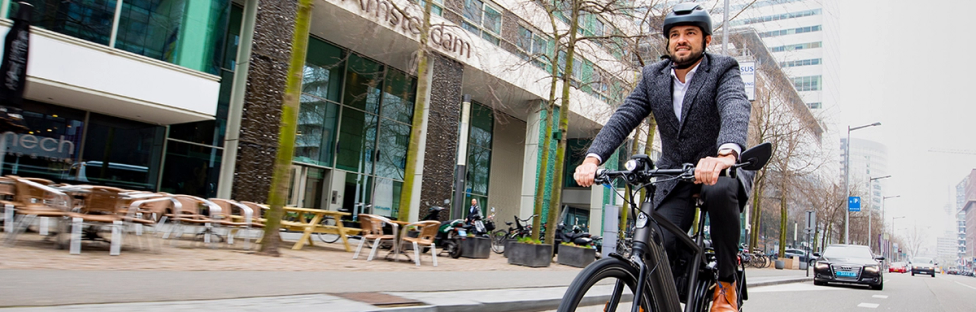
x,y
921,265
849,264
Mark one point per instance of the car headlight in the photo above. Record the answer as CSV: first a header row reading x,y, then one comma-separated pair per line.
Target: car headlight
x,y
871,268
823,265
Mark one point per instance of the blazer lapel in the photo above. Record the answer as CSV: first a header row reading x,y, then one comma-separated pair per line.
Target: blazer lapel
x,y
697,81
663,82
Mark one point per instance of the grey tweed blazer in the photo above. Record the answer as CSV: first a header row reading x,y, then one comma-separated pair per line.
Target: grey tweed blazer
x,y
715,111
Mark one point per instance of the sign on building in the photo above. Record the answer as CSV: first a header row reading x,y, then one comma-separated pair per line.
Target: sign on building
x,y
748,72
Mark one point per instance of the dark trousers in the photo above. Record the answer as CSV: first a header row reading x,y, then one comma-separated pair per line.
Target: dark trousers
x,y
721,201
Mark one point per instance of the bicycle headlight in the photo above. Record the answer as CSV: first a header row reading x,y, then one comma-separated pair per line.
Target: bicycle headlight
x,y
631,165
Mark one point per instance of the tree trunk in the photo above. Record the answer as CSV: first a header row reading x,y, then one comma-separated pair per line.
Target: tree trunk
x,y
783,221
557,177
419,107
543,168
289,125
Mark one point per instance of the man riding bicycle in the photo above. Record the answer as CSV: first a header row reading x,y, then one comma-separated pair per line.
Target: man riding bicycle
x,y
703,116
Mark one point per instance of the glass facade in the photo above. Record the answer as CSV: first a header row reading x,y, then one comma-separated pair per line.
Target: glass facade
x,y
183,32
478,165
79,147
356,117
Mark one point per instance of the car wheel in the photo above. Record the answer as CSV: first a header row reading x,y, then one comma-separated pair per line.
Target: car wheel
x,y
879,286
819,283
933,274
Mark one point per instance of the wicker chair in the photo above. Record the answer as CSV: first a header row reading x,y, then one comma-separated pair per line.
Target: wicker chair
x,y
373,231
428,231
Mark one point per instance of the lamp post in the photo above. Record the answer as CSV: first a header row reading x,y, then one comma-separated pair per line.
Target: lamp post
x,y
893,228
847,179
871,210
883,199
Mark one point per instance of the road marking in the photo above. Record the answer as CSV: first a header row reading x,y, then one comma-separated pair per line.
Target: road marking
x,y
868,305
880,296
965,285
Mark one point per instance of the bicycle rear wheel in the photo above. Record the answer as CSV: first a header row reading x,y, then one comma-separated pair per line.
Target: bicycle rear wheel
x,y
328,238
498,239
608,282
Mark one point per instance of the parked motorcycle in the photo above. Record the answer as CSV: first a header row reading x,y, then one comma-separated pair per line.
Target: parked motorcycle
x,y
576,236
448,234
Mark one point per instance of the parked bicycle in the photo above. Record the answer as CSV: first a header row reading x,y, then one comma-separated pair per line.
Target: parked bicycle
x,y
648,273
500,236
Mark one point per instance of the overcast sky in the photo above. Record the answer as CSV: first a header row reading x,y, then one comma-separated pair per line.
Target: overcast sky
x,y
906,64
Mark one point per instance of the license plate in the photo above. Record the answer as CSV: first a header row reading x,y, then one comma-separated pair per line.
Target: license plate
x,y
846,274
462,232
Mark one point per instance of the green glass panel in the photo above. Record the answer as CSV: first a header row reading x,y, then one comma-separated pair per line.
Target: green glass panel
x,y
315,139
123,153
575,153
478,168
190,169
357,139
363,79
391,157
323,70
87,20
186,33
399,91
481,122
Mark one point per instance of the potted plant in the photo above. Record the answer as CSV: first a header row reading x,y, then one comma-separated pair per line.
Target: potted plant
x,y
475,247
575,255
529,252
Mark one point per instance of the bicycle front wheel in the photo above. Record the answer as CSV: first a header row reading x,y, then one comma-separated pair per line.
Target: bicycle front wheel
x,y
607,282
328,238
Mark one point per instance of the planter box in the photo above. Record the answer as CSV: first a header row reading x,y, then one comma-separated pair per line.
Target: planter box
x,y
508,246
575,256
530,255
475,247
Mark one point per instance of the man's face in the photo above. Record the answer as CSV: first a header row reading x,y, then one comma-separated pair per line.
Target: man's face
x,y
474,202
685,43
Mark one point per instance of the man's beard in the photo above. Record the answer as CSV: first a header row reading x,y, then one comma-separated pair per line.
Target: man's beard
x,y
682,62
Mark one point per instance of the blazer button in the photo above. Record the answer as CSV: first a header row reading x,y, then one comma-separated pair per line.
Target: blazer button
x,y
665,192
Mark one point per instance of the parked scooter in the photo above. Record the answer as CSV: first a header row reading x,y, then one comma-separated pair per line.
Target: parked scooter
x,y
576,236
449,233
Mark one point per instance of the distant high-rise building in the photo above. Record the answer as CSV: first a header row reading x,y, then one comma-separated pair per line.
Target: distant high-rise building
x,y
869,159
966,201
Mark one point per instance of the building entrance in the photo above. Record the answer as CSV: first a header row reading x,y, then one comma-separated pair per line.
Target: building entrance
x,y
308,186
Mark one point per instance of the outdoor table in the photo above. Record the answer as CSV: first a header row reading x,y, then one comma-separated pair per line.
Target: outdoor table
x,y
313,226
398,242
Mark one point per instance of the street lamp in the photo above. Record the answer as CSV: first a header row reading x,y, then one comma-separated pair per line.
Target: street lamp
x,y
893,228
871,211
883,199
847,179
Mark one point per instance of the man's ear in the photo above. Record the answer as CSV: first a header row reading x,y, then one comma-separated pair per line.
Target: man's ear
x,y
708,40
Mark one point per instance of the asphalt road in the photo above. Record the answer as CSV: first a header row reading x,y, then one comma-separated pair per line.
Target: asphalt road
x,y
902,292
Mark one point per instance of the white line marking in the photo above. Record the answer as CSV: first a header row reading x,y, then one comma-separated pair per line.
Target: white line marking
x,y
965,285
880,296
868,305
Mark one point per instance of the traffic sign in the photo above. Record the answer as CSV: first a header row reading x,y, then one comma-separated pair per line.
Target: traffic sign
x,y
811,220
853,203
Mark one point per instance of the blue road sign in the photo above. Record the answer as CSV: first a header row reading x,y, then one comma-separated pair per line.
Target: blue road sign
x,y
853,203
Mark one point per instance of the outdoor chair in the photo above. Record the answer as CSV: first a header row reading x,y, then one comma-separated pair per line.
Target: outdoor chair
x,y
373,231
428,231
193,211
102,206
145,209
237,217
33,200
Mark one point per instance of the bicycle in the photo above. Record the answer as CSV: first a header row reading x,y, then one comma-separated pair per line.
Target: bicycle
x,y
647,273
331,221
499,237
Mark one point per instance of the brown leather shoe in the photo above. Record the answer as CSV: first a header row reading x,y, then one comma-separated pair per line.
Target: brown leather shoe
x,y
725,299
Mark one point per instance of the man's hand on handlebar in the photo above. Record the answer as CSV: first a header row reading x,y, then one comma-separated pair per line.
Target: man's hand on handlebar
x,y
586,171
708,169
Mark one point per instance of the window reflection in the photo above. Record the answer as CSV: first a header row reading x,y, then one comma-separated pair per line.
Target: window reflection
x,y
316,131
50,148
191,169
357,139
121,153
362,84
392,149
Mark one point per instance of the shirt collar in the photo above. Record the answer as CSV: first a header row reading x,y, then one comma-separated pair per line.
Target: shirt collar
x,y
688,76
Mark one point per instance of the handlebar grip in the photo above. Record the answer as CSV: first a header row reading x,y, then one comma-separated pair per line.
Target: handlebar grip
x,y
600,176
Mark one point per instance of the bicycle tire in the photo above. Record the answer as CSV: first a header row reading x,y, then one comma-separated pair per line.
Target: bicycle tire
x,y
498,238
609,267
328,238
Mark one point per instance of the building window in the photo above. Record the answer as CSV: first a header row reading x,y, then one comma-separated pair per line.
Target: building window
x,y
436,8
483,19
790,31
532,46
808,83
796,63
814,105
801,46
479,156
776,17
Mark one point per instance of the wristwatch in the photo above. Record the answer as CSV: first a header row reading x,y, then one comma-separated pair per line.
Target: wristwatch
x,y
726,152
